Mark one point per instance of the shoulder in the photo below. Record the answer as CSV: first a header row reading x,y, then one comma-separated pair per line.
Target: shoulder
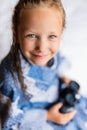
x,y
60,57
63,64
63,59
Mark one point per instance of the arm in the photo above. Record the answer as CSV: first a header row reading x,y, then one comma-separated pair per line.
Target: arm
x,y
64,69
35,118
38,118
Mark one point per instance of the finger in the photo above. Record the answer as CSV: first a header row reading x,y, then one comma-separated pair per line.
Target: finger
x,y
67,117
70,115
73,112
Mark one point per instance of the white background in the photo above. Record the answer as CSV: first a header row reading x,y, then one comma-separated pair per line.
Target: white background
x,y
74,40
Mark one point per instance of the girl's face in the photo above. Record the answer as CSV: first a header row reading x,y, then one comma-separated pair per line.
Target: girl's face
x,y
39,34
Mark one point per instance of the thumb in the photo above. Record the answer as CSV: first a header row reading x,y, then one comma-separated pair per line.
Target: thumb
x,y
59,105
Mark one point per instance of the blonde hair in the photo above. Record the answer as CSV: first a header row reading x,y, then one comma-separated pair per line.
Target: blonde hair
x,y
23,4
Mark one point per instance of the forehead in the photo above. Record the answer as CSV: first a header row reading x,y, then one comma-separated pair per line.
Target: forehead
x,y
40,17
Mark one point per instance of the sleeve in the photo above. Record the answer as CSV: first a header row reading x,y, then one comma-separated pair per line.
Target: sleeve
x,y
64,65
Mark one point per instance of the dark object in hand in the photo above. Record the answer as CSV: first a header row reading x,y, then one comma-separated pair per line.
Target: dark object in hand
x,y
70,97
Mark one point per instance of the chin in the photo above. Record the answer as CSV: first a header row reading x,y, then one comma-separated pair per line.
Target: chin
x,y
40,63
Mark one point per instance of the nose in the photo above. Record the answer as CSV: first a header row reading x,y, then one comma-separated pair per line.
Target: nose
x,y
41,45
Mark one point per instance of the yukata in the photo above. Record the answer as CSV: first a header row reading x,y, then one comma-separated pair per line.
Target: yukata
x,y
28,108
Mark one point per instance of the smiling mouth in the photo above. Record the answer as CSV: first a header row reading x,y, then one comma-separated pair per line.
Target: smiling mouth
x,y
40,56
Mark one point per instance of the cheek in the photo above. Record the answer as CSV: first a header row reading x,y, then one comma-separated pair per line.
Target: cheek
x,y
55,47
25,46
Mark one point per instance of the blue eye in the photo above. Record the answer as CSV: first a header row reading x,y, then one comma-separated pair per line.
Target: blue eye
x,y
31,35
52,36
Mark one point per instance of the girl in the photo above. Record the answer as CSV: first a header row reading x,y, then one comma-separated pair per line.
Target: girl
x,y
29,75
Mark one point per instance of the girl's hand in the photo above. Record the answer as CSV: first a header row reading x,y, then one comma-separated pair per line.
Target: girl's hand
x,y
55,116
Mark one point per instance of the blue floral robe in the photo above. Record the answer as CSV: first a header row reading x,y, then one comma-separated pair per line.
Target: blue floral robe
x,y
28,109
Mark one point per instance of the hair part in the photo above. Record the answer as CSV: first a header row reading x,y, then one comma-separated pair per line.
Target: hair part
x,y
27,4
